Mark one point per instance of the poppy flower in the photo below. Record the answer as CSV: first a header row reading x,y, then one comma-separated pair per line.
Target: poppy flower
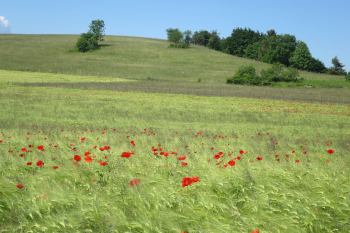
x,y
232,163
135,182
87,153
241,152
126,154
20,186
77,158
31,146
133,143
276,156
186,181
103,163
43,196
10,151
239,158
195,179
40,163
287,156
182,158
221,153
218,163
165,154
183,164
29,163
40,147
55,167
21,155
88,159
259,133
259,158
256,231
330,151
24,149
297,161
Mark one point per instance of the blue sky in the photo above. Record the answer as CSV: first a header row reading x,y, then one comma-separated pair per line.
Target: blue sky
x,y
322,25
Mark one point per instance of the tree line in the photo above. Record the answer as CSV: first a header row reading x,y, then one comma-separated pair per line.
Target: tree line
x,y
267,47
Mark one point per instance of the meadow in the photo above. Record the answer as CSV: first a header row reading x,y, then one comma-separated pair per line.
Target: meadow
x,y
75,160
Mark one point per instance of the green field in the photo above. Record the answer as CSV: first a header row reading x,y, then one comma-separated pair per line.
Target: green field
x,y
307,191
129,57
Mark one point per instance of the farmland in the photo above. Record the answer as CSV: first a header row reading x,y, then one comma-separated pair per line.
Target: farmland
x,y
90,158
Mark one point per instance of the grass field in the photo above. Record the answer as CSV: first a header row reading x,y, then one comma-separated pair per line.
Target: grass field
x,y
130,57
283,178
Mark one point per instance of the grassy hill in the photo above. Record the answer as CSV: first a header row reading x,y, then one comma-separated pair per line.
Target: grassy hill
x,y
125,57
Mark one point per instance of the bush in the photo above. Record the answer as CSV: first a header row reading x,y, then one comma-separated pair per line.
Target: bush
x,y
278,73
245,75
182,45
86,42
347,78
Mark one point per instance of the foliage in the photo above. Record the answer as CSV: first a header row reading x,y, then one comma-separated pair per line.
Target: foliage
x,y
317,66
279,73
240,39
301,57
97,28
201,38
347,77
245,75
174,35
214,41
277,49
181,44
86,42
252,51
188,37
337,68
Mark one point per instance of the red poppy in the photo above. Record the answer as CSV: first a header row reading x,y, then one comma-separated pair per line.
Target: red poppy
x,y
287,156
126,154
182,158
20,186
55,167
241,152
31,146
40,147
40,163
328,161
77,158
259,133
256,231
135,182
195,179
21,155
133,143
221,153
293,152
239,158
218,163
10,151
165,154
259,158
88,159
29,163
232,163
330,151
183,164
87,153
24,149
276,156
103,163
297,161
186,181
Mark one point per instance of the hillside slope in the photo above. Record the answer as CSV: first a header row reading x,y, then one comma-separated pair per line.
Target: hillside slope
x,y
123,57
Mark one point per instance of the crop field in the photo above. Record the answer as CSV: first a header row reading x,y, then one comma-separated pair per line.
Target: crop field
x,y
97,160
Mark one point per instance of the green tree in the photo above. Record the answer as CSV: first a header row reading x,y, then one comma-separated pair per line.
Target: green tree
x,y
214,41
201,38
252,51
174,35
97,28
240,39
301,57
187,35
317,66
86,42
245,75
277,49
337,67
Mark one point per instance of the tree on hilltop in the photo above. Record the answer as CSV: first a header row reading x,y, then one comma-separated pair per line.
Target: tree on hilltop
x,y
97,28
337,67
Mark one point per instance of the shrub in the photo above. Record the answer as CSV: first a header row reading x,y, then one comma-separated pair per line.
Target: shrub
x,y
182,45
278,73
245,75
347,78
86,42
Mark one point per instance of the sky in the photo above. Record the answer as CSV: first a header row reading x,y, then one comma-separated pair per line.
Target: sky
x,y
323,25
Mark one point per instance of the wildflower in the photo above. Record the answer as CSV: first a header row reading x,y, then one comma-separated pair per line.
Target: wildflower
x,y
77,158
135,182
259,158
183,164
20,186
55,167
232,163
88,159
330,151
40,163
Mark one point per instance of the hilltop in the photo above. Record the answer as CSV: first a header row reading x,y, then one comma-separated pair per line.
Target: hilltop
x,y
122,56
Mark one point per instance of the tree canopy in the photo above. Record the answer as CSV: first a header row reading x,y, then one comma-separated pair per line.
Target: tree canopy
x,y
97,28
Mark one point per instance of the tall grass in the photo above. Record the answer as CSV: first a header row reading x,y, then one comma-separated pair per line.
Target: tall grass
x,y
275,196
